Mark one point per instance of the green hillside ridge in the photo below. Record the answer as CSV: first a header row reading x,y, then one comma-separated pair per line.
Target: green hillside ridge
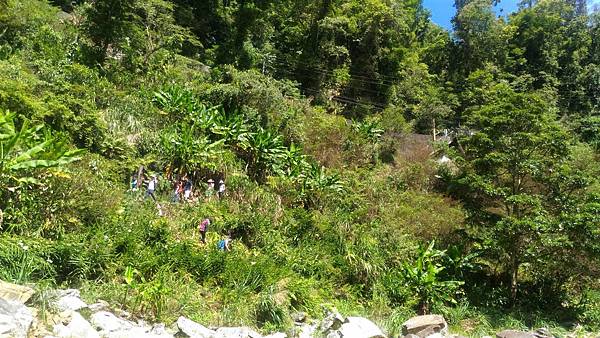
x,y
320,118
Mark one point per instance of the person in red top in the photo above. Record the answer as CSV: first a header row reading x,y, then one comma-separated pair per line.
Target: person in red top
x,y
203,228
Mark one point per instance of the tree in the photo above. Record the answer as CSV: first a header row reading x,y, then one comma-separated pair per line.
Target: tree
x,y
480,36
508,166
108,22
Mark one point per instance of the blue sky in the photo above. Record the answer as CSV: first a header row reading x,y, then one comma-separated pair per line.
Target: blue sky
x,y
442,11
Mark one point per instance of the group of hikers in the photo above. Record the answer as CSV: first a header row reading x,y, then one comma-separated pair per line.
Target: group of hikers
x,y
182,188
183,191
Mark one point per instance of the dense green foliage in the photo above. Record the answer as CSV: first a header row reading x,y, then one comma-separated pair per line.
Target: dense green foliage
x,y
316,113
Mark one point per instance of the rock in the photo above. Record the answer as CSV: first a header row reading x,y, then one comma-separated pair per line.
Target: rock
x,y
543,333
14,292
358,327
113,327
437,335
15,319
299,317
236,332
100,305
106,322
193,329
334,334
77,327
424,326
304,330
69,300
332,321
514,334
138,332
276,335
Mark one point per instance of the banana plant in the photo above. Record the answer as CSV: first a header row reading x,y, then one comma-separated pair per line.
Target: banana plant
x,y
27,149
423,278
293,163
315,184
175,99
370,129
263,151
233,128
185,150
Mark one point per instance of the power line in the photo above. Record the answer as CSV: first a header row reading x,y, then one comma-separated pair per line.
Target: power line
x,y
354,77
289,72
361,75
349,100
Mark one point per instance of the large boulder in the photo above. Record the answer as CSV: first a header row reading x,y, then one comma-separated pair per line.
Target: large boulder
x,y
514,334
15,319
193,329
77,327
358,327
236,332
14,292
425,326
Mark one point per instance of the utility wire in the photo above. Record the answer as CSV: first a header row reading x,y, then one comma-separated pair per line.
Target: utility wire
x,y
355,77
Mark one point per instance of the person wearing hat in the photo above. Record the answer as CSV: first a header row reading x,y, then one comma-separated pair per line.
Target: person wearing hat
x,y
211,188
221,189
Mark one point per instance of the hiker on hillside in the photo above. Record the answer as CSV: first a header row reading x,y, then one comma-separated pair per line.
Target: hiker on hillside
x,y
221,189
151,187
203,229
187,189
177,192
133,183
211,189
225,243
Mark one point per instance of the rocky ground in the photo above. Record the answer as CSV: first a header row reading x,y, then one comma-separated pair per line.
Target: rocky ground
x,y
74,318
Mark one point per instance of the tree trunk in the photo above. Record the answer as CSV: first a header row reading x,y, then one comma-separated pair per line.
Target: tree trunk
x,y
423,308
139,176
514,275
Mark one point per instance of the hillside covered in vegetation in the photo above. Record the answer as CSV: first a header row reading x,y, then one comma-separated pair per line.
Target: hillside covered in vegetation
x,y
372,161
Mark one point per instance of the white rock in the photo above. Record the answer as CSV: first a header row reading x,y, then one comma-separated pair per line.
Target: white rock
x,y
193,329
305,331
15,319
78,327
137,332
107,322
72,303
100,305
236,332
277,335
359,327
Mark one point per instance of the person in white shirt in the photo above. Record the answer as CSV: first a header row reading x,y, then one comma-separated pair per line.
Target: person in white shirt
x,y
221,189
151,187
